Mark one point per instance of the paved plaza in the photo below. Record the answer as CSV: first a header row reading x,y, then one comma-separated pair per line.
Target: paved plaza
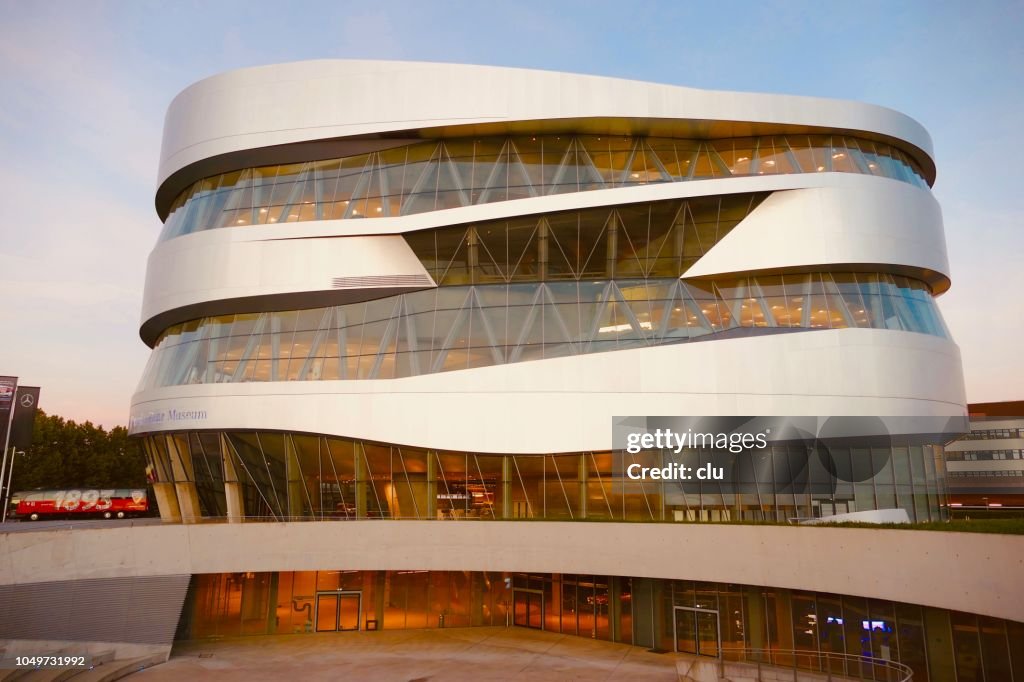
x,y
483,653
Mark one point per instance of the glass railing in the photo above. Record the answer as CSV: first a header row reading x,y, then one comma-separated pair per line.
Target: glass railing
x,y
807,666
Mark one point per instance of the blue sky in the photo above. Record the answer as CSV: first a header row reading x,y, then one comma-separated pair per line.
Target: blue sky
x,y
85,85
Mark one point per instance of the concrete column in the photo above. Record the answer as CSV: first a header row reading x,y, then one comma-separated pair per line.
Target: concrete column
x,y
379,578
755,630
784,623
188,502
662,621
184,478
476,602
293,475
232,488
235,502
472,254
542,249
431,508
615,608
167,502
582,477
362,481
272,619
506,487
680,240
612,246
939,644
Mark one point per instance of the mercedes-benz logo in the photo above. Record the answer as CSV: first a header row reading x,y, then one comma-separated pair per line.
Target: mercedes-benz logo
x,y
27,400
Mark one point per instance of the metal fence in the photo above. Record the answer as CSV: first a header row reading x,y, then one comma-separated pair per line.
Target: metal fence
x,y
800,665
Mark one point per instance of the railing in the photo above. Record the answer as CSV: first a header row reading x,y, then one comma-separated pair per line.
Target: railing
x,y
799,665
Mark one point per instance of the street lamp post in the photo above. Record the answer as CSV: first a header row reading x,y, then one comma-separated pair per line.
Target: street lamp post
x,y
3,467
7,490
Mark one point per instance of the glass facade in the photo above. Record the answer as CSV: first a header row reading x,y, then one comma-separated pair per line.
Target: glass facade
x,y
774,626
439,174
284,476
463,327
649,240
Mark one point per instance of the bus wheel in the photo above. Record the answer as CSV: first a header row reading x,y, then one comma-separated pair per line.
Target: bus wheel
x,y
106,515
120,515
33,516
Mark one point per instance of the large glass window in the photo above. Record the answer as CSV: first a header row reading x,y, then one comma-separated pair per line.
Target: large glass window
x,y
435,175
462,327
300,476
806,630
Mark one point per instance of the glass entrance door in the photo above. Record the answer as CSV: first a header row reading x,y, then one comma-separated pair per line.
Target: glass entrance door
x,y
696,631
348,610
337,611
528,608
707,633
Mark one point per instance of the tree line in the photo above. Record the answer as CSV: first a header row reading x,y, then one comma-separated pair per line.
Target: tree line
x,y
66,454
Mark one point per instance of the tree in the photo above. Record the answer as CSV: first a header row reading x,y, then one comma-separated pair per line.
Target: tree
x,y
66,454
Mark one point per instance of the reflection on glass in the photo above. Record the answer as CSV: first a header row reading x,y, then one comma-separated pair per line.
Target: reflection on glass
x,y
325,478
327,613
728,619
459,327
435,175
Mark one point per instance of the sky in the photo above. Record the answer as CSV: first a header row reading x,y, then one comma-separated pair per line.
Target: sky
x,y
84,86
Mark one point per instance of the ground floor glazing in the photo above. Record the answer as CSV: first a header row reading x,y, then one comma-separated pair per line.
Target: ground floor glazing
x,y
791,627
266,475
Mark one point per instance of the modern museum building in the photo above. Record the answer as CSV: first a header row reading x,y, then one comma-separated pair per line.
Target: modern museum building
x,y
396,309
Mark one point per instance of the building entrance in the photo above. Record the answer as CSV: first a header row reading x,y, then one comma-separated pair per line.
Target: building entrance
x,y
696,631
528,608
338,611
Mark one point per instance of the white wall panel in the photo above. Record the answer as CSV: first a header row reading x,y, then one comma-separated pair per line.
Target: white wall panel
x,y
811,219
867,220
567,404
313,100
188,271
916,567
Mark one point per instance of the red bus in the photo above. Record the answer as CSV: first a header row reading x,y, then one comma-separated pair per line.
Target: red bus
x,y
110,503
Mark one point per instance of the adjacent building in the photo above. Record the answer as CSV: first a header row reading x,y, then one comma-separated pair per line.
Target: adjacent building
x,y
985,468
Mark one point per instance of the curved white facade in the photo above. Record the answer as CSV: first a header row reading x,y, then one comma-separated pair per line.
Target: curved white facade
x,y
567,404
813,220
805,222
883,563
308,101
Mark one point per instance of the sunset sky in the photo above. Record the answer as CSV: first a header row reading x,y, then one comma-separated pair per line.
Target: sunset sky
x,y
85,86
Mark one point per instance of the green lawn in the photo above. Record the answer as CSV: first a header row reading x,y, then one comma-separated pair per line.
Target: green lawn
x,y
1005,526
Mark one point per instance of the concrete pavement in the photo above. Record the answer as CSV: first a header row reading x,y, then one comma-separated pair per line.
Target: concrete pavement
x,y
481,654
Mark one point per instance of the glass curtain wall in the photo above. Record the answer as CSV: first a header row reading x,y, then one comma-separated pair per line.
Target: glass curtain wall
x,y
739,622
435,175
463,327
306,477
